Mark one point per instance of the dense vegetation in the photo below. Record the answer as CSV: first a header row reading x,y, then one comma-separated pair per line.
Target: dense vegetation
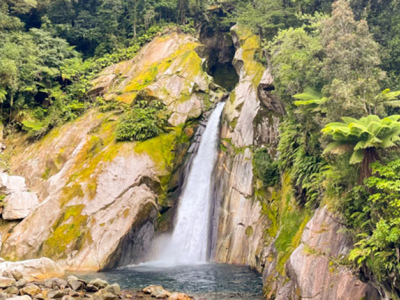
x,y
339,140
336,68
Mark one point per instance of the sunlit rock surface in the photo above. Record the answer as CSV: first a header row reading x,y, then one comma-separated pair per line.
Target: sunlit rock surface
x,y
168,69
34,269
100,200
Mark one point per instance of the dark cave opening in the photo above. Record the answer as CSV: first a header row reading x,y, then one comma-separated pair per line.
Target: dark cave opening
x,y
224,75
221,51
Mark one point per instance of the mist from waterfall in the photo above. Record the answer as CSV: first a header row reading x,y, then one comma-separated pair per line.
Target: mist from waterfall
x,y
188,243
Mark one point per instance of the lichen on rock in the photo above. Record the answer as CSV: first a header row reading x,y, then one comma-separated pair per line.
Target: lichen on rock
x,y
168,69
98,194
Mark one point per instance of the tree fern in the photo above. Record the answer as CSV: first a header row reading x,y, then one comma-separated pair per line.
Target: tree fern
x,y
363,137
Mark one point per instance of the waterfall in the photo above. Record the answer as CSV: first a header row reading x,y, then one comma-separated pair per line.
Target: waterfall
x,y
189,241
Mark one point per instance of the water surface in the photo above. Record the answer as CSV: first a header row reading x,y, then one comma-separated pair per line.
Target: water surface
x,y
203,281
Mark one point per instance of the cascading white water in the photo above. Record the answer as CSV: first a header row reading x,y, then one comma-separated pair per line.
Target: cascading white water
x,y
189,241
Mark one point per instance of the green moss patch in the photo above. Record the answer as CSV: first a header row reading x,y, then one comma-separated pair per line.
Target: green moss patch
x,y
160,149
286,221
66,232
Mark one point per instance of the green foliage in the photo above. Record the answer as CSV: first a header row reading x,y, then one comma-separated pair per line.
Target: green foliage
x,y
377,220
296,62
145,121
369,132
265,168
300,155
351,64
311,100
263,16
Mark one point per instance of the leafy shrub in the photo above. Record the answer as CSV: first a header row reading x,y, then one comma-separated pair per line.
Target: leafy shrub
x,y
377,221
265,168
300,156
145,121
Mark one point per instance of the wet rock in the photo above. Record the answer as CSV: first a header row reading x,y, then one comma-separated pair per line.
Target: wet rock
x,y
75,283
91,288
179,296
101,295
12,290
56,283
31,290
157,291
17,275
20,283
39,296
7,273
25,297
56,294
3,295
5,282
113,289
99,283
74,294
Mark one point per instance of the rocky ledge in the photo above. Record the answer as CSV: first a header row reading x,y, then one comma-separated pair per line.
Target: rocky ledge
x,y
42,279
13,286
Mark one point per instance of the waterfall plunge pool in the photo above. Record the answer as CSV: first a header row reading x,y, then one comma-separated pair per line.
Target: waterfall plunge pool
x,y
202,281
179,264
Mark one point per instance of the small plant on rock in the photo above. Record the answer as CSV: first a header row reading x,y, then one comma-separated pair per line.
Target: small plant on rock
x,y
145,121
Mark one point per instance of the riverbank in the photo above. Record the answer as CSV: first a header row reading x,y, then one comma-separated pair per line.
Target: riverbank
x,y
14,286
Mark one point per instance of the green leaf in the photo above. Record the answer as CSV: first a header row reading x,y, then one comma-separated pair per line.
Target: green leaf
x,y
357,157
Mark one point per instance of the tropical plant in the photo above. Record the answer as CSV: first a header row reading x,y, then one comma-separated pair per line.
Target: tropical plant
x,y
364,137
144,122
310,100
265,168
377,252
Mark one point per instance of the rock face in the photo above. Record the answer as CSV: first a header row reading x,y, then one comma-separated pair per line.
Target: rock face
x,y
313,267
266,229
100,199
168,69
241,224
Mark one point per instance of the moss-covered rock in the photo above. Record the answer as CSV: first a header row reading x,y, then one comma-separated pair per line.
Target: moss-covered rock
x,y
96,192
168,69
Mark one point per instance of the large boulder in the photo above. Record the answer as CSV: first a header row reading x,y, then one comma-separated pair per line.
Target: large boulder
x,y
18,202
18,205
100,199
314,269
34,269
12,184
168,69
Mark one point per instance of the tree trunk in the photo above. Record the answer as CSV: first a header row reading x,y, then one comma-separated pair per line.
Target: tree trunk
x,y
370,156
182,11
135,18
